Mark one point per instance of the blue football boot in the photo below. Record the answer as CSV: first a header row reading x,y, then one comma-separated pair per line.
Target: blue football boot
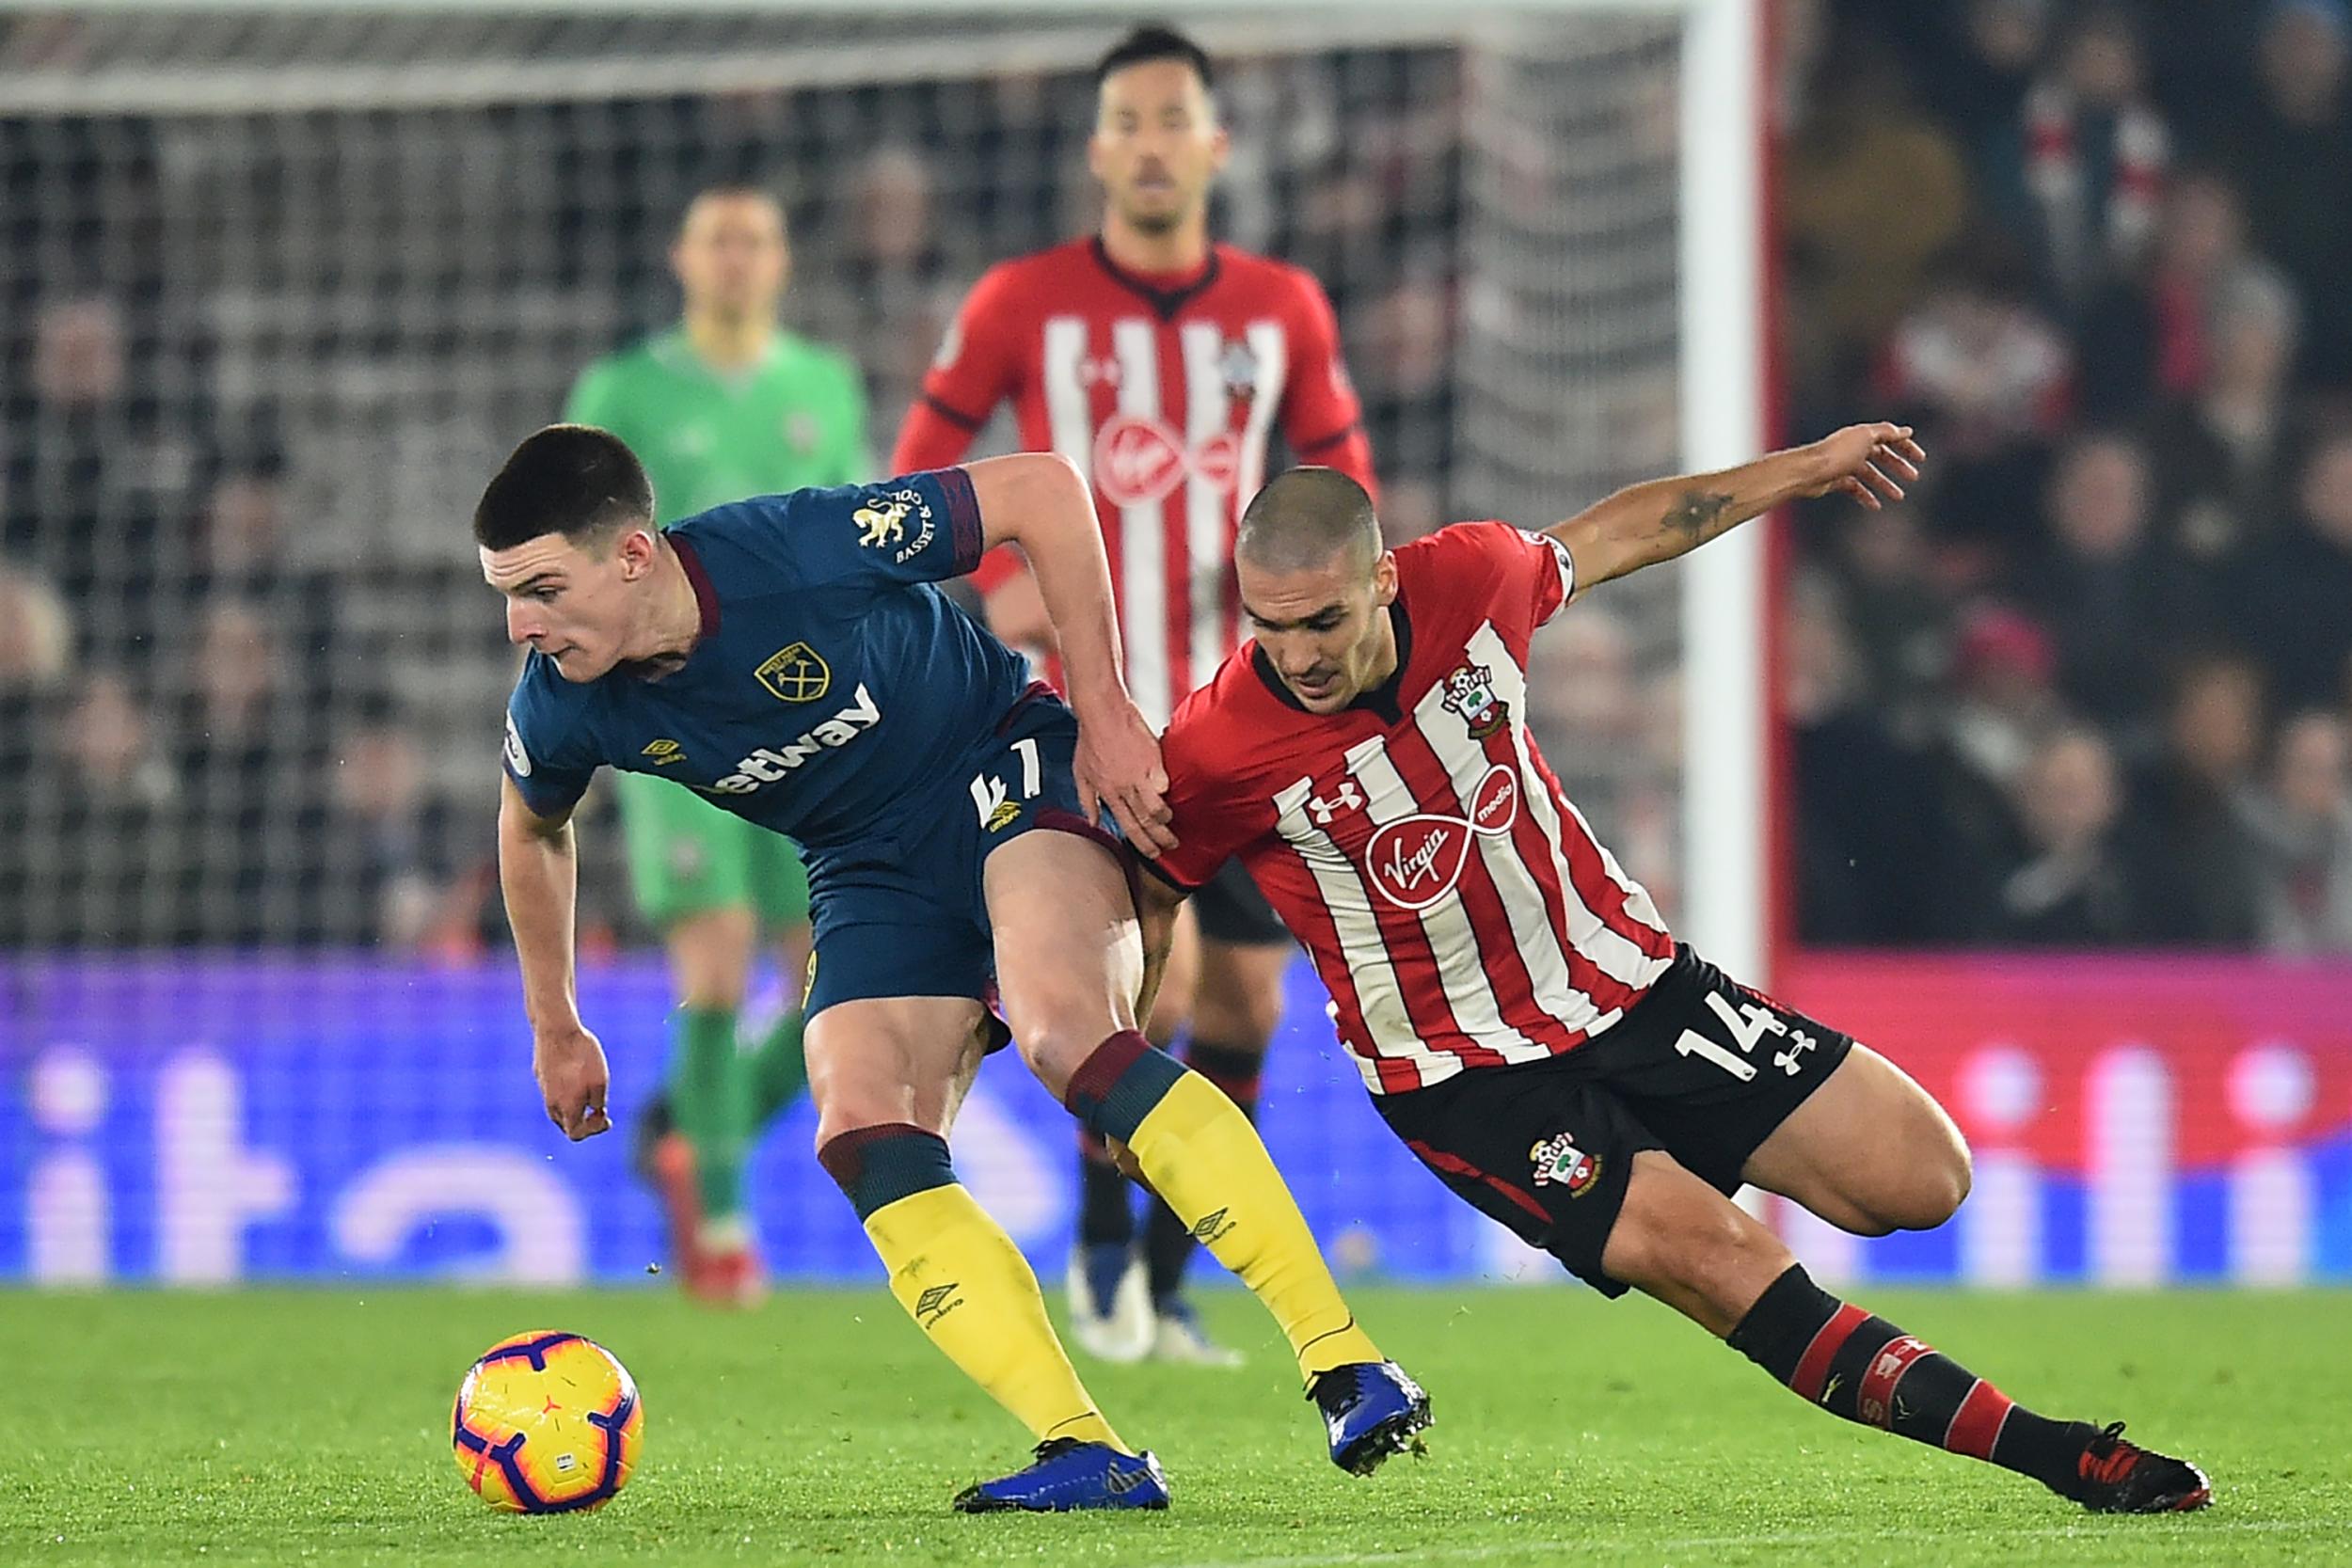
x,y
1069,1473
1372,1410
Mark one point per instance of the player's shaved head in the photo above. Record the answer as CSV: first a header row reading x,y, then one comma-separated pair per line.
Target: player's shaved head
x,y
1307,519
569,479
1317,586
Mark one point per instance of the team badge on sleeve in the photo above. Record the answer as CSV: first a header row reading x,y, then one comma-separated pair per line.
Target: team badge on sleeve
x,y
881,523
517,760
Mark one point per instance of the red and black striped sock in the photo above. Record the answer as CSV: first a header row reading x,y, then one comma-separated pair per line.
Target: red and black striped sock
x,y
1863,1367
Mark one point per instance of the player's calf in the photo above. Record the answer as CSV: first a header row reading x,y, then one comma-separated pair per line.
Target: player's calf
x,y
1680,1239
1203,1157
1858,1366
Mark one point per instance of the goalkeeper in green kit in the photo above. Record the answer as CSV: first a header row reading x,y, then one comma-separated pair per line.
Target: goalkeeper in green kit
x,y
723,405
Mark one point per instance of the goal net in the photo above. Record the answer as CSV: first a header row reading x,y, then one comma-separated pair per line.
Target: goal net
x,y
284,287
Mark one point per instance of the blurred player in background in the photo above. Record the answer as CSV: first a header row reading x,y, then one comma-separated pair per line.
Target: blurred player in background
x,y
1160,363
793,654
725,404
1524,1021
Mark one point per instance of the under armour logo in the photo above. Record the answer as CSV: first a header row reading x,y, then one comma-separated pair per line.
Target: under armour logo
x,y
1799,1043
1347,798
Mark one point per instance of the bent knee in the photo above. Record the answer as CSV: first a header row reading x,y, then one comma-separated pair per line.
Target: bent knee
x,y
1939,1191
1929,1193
1056,1049
847,1105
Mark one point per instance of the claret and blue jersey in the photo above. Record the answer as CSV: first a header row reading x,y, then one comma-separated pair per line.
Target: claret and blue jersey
x,y
831,683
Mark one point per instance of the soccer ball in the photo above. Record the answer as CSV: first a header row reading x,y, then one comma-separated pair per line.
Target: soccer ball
x,y
546,1422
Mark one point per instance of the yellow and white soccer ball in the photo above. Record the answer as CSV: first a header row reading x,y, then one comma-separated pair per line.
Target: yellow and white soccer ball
x,y
548,1422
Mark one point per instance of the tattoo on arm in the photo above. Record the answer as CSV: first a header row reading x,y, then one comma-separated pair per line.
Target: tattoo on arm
x,y
1693,518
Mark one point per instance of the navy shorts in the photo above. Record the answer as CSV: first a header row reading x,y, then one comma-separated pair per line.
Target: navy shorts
x,y
903,912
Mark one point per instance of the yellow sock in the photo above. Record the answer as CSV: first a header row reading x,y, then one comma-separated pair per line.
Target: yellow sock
x,y
1205,1161
968,1287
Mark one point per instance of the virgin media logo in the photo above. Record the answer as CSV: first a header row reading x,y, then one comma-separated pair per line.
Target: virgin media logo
x,y
1139,460
1415,861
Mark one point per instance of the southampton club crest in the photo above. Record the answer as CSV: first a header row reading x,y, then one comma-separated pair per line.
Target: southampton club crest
x,y
1238,368
797,673
1470,691
1558,1160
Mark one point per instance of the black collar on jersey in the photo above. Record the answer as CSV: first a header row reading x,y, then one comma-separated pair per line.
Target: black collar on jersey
x,y
1164,302
1381,698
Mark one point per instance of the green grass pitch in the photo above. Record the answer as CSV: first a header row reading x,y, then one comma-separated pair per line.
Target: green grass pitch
x,y
300,1427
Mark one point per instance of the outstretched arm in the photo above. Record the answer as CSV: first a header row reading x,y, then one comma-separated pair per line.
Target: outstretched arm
x,y
539,872
1040,501
1645,524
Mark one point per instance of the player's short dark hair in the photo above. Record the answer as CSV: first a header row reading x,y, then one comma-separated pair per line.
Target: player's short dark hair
x,y
1155,40
569,479
1306,516
731,190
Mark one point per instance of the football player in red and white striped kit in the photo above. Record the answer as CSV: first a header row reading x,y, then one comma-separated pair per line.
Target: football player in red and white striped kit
x,y
1162,364
1520,1014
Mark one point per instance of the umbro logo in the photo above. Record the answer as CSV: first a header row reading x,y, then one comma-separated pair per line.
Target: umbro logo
x,y
1213,1227
936,1303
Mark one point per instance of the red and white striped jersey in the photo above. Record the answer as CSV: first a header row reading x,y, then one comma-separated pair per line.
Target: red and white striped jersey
x,y
1457,905
1165,391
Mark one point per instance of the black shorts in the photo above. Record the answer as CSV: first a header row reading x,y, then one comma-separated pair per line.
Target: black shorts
x,y
1232,909
1545,1148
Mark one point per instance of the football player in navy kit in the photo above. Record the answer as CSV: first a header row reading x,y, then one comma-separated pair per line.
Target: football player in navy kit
x,y
788,657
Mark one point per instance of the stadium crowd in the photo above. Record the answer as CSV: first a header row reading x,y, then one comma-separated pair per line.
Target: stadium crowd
x,y
2090,687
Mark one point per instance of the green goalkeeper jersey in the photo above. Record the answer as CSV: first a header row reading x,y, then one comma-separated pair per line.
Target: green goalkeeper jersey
x,y
795,420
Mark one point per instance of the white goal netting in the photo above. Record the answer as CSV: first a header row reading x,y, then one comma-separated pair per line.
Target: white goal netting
x,y
278,290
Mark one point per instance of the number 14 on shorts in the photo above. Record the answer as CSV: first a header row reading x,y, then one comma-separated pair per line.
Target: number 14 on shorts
x,y
1749,1023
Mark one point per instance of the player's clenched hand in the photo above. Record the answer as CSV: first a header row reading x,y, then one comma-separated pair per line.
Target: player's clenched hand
x,y
1869,462
1118,765
572,1081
